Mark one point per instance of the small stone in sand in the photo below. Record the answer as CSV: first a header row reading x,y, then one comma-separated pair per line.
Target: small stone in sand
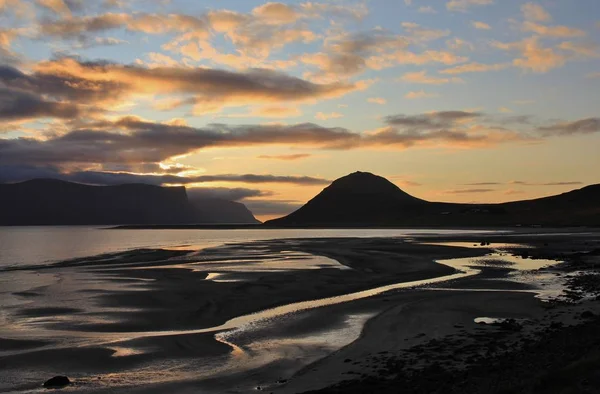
x,y
57,382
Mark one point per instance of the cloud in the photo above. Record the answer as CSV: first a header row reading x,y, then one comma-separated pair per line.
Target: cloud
x,y
420,94
79,27
7,55
593,75
131,142
269,111
418,33
298,156
552,31
513,192
206,90
534,57
327,116
356,11
469,191
463,5
21,172
57,6
583,126
406,182
427,10
231,194
254,34
583,50
277,13
522,183
474,68
423,78
535,12
377,100
19,105
459,44
348,54
480,25
433,120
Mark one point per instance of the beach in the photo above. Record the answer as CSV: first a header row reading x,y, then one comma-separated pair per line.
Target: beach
x,y
293,315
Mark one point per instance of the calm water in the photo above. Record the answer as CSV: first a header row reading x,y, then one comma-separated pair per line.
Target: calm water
x,y
40,245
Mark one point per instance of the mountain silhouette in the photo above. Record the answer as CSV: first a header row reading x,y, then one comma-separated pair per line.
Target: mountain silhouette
x,y
221,211
363,199
56,202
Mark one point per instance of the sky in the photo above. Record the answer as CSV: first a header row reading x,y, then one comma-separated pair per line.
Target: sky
x,y
267,102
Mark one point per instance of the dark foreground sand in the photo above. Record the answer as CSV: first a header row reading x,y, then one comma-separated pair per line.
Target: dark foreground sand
x,y
138,317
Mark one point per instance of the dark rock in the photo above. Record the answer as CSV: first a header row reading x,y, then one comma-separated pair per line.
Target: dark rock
x,y
587,315
57,382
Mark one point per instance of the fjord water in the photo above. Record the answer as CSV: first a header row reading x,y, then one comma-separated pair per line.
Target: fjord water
x,y
42,245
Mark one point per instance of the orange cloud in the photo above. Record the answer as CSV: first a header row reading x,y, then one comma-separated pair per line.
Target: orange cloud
x,y
474,67
298,156
57,6
535,12
327,116
206,89
422,77
480,25
552,31
377,100
534,57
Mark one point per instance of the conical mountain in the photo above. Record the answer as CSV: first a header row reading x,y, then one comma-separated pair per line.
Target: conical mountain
x,y
360,198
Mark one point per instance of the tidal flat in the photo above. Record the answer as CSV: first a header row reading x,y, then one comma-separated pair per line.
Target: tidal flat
x,y
299,314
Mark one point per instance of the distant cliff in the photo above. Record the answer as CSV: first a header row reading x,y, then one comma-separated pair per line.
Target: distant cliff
x,y
55,202
365,200
220,211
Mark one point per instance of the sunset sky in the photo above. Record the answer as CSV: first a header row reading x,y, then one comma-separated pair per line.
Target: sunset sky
x,y
266,103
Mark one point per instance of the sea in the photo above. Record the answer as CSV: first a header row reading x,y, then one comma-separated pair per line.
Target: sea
x,y
45,245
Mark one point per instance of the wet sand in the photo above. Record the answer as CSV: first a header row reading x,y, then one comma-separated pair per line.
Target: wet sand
x,y
151,321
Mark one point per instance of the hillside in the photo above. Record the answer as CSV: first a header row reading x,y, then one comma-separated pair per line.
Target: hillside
x,y
366,200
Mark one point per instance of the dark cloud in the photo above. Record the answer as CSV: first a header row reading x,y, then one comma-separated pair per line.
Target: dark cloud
x,y
148,142
16,104
251,178
80,26
583,126
19,172
434,120
234,194
62,87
